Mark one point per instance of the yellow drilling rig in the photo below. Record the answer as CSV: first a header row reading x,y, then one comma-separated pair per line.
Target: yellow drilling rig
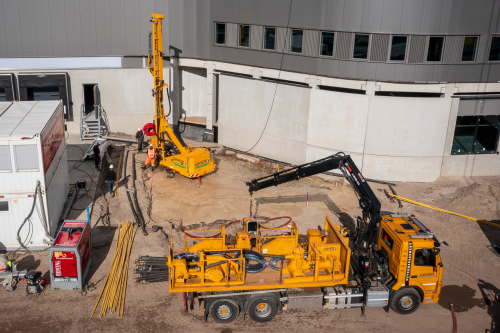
x,y
169,146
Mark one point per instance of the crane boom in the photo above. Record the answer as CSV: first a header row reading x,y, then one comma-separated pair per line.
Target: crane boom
x,y
367,199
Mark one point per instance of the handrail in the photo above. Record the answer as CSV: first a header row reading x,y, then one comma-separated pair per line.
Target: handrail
x,y
81,122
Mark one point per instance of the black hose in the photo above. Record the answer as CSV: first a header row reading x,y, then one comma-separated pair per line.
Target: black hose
x,y
137,207
274,262
27,218
126,189
189,256
253,256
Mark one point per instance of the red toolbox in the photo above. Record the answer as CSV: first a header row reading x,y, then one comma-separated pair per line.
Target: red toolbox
x,y
70,256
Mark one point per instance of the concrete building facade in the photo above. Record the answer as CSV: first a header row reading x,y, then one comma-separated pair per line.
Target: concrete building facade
x,y
409,88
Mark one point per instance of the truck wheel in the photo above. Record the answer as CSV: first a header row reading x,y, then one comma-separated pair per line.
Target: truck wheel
x,y
406,301
262,309
224,311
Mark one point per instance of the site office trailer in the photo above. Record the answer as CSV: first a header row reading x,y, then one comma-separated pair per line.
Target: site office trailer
x,y
32,149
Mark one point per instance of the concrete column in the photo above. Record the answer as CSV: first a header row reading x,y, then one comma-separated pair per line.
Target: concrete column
x,y
210,103
371,87
175,90
312,81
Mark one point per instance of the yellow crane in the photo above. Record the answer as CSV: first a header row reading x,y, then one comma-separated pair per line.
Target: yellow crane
x,y
174,154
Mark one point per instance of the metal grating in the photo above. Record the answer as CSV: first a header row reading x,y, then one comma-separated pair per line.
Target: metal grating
x,y
282,40
343,50
256,37
231,34
417,49
311,42
380,44
453,49
482,48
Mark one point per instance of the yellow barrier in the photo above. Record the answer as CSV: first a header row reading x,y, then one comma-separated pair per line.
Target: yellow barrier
x,y
442,210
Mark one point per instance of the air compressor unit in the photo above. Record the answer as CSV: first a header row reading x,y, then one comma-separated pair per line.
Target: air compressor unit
x,y
71,256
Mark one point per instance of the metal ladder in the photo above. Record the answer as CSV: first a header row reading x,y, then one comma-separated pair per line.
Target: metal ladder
x,y
93,125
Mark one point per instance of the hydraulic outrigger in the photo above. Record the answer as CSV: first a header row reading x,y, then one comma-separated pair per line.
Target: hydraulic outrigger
x,y
173,153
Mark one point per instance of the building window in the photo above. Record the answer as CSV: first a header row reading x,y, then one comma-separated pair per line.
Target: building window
x,y
495,49
327,39
398,48
361,46
476,134
469,51
435,50
220,33
269,38
296,44
387,239
26,157
244,36
4,206
5,159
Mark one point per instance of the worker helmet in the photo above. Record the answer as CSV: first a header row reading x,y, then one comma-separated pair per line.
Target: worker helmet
x,y
151,145
139,129
111,166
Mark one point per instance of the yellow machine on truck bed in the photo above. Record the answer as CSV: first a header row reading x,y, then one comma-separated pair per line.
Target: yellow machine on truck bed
x,y
393,260
173,153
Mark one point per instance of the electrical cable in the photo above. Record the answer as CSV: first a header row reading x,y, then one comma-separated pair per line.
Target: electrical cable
x,y
279,76
28,218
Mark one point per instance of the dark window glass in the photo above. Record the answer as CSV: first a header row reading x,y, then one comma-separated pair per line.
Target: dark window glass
x,y
386,239
361,46
3,97
487,134
296,45
495,49
398,48
4,206
476,134
424,258
220,33
245,35
269,38
469,51
327,43
435,48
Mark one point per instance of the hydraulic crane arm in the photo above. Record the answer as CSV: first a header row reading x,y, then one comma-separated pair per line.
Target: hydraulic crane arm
x,y
367,199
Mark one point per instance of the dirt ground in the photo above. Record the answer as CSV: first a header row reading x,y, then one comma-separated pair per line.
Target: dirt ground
x,y
471,270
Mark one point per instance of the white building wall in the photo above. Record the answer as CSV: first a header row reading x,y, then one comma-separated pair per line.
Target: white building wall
x,y
194,97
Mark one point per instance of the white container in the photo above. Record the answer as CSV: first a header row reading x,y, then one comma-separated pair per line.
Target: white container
x,y
32,148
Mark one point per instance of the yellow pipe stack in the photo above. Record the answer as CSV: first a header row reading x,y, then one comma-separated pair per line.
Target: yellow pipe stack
x,y
115,286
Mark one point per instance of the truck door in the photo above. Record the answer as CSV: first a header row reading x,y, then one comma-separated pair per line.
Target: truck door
x,y
426,272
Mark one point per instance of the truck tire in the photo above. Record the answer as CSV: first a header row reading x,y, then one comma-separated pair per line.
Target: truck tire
x,y
224,311
263,309
406,301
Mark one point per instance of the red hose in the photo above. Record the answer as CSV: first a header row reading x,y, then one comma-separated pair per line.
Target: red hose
x,y
232,222
454,317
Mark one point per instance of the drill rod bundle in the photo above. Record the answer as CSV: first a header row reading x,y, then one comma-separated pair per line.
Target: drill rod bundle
x,y
151,269
115,286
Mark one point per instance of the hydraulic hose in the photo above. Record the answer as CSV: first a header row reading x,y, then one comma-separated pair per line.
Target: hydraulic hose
x,y
253,256
137,207
232,222
126,189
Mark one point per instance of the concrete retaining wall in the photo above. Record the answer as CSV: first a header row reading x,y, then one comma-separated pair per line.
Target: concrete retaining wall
x,y
390,138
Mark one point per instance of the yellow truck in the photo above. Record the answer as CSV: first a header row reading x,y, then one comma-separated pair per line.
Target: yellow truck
x,y
391,261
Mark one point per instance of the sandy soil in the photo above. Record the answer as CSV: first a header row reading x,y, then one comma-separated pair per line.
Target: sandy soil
x,y
471,271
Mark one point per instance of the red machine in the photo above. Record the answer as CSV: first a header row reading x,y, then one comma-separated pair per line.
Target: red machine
x,y
71,256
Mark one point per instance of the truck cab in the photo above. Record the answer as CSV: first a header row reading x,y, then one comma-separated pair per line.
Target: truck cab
x,y
410,253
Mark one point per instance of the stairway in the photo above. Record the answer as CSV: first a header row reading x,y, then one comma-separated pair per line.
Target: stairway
x,y
93,125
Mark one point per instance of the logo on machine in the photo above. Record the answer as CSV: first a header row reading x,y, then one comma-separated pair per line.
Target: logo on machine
x,y
201,164
408,264
179,162
57,267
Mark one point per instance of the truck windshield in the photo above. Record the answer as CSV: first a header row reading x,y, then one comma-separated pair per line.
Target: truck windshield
x,y
424,258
